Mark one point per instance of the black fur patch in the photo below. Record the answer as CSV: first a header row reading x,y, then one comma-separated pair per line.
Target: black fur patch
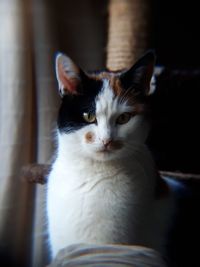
x,y
70,117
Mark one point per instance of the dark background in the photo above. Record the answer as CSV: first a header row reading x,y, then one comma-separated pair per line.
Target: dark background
x,y
174,139
176,28
175,136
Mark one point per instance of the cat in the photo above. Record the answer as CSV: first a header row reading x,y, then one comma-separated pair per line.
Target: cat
x,y
103,186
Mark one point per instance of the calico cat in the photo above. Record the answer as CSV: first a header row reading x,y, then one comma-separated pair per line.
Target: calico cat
x,y
103,187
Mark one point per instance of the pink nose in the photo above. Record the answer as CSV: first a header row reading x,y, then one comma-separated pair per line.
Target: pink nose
x,y
107,142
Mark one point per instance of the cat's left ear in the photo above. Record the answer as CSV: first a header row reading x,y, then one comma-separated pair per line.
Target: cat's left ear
x,y
139,75
68,75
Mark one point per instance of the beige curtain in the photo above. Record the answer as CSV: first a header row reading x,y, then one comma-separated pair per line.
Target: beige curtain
x,y
31,31
17,131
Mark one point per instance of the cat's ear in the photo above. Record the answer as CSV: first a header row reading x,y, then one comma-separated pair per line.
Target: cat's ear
x,y
68,75
139,75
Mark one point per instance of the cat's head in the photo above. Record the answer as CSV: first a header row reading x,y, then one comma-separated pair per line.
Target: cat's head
x,y
102,115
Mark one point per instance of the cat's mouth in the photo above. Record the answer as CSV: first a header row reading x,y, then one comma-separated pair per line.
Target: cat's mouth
x,y
104,150
112,147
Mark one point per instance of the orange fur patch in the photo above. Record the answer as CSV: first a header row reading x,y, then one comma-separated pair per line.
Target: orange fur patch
x,y
115,84
89,137
113,79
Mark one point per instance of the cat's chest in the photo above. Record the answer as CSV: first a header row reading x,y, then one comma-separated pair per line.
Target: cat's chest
x,y
96,204
90,201
93,200
99,195
95,181
111,183
89,185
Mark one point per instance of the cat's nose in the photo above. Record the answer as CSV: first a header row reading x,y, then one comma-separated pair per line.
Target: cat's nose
x,y
107,142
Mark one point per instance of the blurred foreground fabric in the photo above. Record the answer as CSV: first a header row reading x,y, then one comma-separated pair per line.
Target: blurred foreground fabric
x,y
108,255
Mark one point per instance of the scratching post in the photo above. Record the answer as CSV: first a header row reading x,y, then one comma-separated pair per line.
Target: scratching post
x,y
129,25
35,173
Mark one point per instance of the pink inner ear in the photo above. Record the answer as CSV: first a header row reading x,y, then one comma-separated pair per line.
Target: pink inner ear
x,y
69,83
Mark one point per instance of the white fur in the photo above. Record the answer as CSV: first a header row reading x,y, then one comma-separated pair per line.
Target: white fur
x,y
104,198
157,71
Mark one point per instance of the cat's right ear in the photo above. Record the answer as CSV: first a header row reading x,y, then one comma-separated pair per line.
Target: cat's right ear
x,y
68,75
140,74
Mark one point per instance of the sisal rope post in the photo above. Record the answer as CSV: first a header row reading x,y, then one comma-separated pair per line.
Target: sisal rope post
x,y
128,32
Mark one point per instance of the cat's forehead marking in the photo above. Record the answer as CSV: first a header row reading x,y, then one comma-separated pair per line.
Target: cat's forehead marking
x,y
125,96
116,86
113,91
114,81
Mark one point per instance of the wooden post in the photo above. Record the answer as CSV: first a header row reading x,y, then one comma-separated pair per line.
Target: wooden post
x,y
128,31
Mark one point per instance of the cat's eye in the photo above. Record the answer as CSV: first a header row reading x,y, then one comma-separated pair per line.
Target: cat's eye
x,y
89,117
124,118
